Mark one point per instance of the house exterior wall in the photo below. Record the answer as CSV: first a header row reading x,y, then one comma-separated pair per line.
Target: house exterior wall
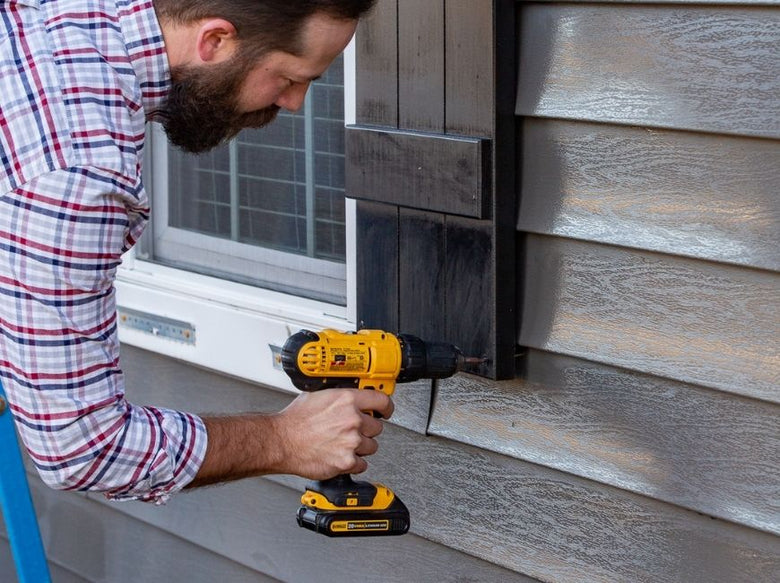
x,y
637,438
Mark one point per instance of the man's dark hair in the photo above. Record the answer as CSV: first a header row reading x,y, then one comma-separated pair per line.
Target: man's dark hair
x,y
262,25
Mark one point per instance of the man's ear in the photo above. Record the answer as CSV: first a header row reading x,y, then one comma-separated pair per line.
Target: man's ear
x,y
216,40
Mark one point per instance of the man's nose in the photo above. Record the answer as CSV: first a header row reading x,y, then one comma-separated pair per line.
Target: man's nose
x,y
292,98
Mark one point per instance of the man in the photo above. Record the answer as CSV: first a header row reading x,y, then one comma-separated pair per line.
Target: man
x,y
78,81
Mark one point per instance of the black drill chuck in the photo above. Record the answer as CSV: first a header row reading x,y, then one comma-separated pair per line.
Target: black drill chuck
x,y
429,360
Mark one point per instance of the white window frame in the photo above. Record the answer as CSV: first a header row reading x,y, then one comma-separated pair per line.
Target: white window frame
x,y
236,326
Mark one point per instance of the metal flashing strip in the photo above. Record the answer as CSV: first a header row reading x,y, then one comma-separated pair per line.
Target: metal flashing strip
x,y
157,325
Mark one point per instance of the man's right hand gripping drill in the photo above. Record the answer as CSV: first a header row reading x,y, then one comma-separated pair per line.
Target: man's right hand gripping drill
x,y
318,436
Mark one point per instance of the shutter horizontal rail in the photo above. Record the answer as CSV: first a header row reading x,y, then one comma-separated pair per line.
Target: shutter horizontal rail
x,y
426,171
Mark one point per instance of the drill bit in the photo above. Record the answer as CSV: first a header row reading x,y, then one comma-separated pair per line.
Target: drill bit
x,y
465,362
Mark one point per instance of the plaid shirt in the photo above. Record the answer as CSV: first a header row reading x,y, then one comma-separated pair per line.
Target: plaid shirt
x,y
77,81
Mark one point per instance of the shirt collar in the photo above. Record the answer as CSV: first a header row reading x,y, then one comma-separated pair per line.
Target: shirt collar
x,y
146,48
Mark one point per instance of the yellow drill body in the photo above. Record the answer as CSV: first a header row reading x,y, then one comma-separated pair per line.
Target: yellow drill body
x,y
370,357
366,359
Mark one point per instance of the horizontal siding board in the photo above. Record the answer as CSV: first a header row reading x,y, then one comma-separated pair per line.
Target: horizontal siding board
x,y
524,517
557,527
253,522
715,69
92,541
701,449
697,322
671,191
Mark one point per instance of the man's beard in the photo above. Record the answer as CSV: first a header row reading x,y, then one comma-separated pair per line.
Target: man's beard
x,y
200,112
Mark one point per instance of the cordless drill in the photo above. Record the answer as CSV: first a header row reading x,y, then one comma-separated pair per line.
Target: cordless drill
x,y
366,359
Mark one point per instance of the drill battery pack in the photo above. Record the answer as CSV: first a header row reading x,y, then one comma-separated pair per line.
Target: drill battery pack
x,y
343,507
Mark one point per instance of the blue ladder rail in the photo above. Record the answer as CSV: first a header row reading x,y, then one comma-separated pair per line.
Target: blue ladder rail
x,y
16,503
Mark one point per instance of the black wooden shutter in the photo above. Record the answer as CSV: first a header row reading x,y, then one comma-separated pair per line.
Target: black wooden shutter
x,y
431,162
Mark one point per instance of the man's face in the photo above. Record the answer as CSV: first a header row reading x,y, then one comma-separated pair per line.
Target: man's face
x,y
209,104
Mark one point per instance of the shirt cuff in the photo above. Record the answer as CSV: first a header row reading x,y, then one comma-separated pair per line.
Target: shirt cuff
x,y
176,464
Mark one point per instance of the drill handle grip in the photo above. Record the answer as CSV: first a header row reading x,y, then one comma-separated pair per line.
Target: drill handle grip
x,y
342,490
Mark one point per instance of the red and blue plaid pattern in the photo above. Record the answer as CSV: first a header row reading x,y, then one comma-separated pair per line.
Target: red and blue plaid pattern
x,y
77,80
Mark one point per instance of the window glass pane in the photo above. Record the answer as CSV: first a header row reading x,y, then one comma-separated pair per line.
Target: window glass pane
x,y
280,187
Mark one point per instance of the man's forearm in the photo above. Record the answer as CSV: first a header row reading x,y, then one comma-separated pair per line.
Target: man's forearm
x,y
240,446
317,436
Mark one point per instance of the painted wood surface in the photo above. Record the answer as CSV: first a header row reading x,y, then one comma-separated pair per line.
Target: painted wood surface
x,y
693,321
447,265
480,85
469,73
676,192
705,68
421,65
423,305
693,447
376,227
473,315
414,169
376,56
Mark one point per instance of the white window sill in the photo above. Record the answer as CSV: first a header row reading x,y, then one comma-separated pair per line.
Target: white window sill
x,y
235,325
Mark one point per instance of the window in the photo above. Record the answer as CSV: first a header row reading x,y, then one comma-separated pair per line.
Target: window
x,y
248,244
266,209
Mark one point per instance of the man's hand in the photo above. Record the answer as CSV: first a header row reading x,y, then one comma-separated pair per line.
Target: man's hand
x,y
329,431
317,436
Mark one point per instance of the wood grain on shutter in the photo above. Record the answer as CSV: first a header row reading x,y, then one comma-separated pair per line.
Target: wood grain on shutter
x,y
706,68
421,65
698,322
421,170
376,61
376,223
377,260
672,191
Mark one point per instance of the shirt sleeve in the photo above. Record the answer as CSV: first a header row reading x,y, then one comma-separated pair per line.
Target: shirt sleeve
x,y
61,240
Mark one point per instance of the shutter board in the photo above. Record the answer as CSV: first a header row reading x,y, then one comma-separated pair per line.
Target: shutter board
x,y
470,272
377,265
421,65
423,302
376,60
470,81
